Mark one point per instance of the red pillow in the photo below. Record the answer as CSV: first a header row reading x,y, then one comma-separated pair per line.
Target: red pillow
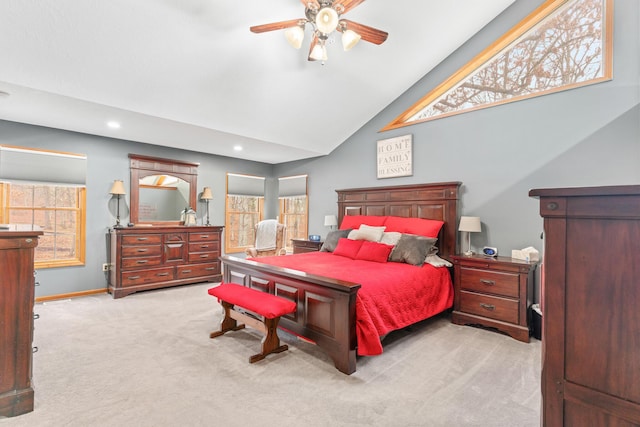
x,y
374,251
418,226
347,247
355,221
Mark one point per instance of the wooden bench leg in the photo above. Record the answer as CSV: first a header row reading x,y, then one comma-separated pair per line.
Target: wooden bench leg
x,y
228,323
270,342
269,327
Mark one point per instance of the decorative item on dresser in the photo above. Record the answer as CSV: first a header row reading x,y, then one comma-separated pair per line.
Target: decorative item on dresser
x,y
145,258
590,299
494,292
16,320
303,245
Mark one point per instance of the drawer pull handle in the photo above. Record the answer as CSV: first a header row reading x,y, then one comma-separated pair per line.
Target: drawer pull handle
x,y
204,246
487,282
143,250
186,271
142,261
204,236
162,274
204,256
210,268
141,239
133,277
489,307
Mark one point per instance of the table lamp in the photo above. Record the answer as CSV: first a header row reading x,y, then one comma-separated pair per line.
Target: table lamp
x,y
206,196
117,189
469,224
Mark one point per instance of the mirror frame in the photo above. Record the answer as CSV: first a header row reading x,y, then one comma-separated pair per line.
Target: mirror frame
x,y
142,166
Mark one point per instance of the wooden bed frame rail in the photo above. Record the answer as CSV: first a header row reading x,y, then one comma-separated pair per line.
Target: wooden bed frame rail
x,y
326,312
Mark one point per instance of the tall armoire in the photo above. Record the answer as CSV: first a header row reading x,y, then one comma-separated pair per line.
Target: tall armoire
x,y
591,306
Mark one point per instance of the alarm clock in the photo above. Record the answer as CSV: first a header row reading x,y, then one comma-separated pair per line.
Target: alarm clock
x,y
314,237
489,251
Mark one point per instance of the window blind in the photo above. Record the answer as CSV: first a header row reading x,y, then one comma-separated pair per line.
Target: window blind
x,y
24,164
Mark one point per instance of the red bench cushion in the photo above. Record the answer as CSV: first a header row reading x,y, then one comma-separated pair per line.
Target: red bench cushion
x,y
267,305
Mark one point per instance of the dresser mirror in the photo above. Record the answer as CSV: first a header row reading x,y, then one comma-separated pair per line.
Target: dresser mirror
x,y
161,189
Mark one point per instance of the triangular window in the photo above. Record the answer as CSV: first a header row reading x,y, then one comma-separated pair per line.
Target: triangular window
x,y
562,45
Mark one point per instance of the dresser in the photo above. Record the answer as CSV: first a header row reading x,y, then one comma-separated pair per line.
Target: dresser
x,y
16,321
301,246
143,258
494,292
591,306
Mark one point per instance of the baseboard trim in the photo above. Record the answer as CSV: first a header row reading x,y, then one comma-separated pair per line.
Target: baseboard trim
x,y
71,295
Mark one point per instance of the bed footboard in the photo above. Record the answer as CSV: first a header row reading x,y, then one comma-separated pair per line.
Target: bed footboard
x,y
325,308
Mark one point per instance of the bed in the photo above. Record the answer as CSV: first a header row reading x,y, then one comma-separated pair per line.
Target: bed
x,y
332,307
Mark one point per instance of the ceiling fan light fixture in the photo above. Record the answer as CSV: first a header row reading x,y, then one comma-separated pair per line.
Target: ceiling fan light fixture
x,y
326,20
294,36
349,39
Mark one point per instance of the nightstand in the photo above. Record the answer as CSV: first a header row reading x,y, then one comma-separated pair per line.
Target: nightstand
x,y
303,245
494,292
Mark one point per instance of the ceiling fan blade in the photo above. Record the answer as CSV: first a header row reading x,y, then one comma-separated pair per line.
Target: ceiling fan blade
x,y
347,4
313,43
275,26
370,34
314,2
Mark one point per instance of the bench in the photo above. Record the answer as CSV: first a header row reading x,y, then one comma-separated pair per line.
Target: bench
x,y
268,306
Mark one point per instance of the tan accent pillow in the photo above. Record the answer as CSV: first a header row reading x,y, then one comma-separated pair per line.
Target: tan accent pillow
x,y
367,232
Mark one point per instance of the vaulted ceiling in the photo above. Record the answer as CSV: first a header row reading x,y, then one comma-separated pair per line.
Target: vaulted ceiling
x,y
189,73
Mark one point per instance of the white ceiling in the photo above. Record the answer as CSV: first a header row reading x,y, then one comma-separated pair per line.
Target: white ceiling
x,y
190,74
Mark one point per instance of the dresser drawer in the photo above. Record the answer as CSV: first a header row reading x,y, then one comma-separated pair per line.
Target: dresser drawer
x,y
203,237
198,270
150,250
128,263
209,246
140,277
491,282
203,256
498,308
142,239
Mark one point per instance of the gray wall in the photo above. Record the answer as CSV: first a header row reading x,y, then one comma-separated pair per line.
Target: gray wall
x,y
107,159
588,136
582,137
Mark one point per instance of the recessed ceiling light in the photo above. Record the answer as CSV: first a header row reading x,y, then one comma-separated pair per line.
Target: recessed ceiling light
x,y
237,148
4,94
113,125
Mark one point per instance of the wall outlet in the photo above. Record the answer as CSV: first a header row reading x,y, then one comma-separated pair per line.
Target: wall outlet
x,y
105,267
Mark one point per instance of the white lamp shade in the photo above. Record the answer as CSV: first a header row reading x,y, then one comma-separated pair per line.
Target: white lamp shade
x,y
326,20
470,224
318,53
206,194
349,39
330,220
117,187
295,36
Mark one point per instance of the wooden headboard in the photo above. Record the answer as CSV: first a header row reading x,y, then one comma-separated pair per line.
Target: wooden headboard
x,y
430,201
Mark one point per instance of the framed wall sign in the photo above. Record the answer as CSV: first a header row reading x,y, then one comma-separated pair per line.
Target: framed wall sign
x,y
395,157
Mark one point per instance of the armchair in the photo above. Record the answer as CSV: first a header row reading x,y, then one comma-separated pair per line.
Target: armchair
x,y
269,239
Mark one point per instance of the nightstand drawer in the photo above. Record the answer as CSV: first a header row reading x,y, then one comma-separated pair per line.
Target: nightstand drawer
x,y
490,282
497,308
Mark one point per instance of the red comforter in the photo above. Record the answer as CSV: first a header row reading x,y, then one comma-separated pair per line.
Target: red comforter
x,y
393,295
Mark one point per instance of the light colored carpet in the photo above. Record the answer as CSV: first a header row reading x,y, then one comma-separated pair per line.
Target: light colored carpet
x,y
147,360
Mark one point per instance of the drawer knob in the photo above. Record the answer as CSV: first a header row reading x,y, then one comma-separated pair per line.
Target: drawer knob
x,y
487,282
489,307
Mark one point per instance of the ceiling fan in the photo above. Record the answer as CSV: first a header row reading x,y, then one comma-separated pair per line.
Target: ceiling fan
x,y
325,16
